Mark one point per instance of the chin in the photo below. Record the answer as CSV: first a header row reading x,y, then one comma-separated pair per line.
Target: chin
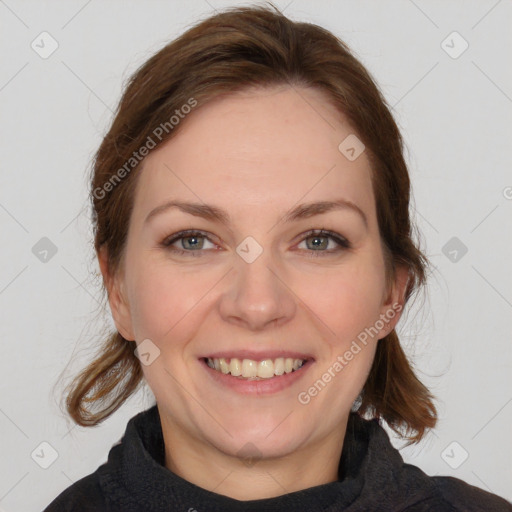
x,y
254,439
256,448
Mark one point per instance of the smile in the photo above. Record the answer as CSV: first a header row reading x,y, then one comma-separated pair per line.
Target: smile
x,y
255,370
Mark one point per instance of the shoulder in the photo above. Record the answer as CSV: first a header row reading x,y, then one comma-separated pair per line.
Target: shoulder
x,y
84,495
454,495
464,496
392,482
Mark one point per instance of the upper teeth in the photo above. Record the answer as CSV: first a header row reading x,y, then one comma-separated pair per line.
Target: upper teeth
x,y
249,368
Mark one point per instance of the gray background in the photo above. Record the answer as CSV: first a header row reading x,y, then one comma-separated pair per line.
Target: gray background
x,y
455,115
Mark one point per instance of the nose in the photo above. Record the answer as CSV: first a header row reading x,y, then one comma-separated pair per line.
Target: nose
x,y
257,295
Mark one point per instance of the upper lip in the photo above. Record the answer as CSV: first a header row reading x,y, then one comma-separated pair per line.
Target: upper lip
x,y
258,355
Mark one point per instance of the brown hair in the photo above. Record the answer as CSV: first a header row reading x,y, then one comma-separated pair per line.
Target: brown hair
x,y
228,52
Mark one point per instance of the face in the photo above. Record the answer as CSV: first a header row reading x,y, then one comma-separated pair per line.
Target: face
x,y
259,282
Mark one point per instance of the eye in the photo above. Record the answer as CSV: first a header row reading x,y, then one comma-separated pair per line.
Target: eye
x,y
192,242
320,242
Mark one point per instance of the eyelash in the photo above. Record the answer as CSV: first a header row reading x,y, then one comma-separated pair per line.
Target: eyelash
x,y
342,242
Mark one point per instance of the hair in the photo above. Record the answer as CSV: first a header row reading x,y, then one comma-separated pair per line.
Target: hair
x,y
231,51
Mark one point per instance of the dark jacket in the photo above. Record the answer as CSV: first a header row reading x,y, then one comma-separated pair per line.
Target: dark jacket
x,y
376,479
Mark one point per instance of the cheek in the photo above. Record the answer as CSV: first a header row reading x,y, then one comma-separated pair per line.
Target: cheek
x,y
168,303
165,298
162,296
347,299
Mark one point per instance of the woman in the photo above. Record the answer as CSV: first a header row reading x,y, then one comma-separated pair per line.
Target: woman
x,y
252,229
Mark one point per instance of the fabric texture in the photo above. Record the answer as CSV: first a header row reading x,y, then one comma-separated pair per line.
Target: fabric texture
x,y
373,477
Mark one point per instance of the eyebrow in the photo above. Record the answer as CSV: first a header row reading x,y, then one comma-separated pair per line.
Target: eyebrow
x,y
302,211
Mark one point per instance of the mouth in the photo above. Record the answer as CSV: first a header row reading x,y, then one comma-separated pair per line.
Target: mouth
x,y
256,369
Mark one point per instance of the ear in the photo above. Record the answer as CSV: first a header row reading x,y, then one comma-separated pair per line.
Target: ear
x,y
393,304
117,299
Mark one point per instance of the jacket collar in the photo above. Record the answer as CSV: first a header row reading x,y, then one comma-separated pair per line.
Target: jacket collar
x,y
135,476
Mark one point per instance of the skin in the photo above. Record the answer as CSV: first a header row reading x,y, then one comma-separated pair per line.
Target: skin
x,y
256,154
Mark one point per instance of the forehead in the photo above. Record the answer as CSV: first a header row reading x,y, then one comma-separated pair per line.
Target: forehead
x,y
262,147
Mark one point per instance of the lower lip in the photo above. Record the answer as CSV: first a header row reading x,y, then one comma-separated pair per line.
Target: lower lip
x,y
258,387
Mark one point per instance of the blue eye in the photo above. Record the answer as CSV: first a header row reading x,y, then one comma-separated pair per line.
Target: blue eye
x,y
190,239
192,242
317,237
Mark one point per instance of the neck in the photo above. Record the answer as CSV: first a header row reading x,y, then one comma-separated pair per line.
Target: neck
x,y
205,466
